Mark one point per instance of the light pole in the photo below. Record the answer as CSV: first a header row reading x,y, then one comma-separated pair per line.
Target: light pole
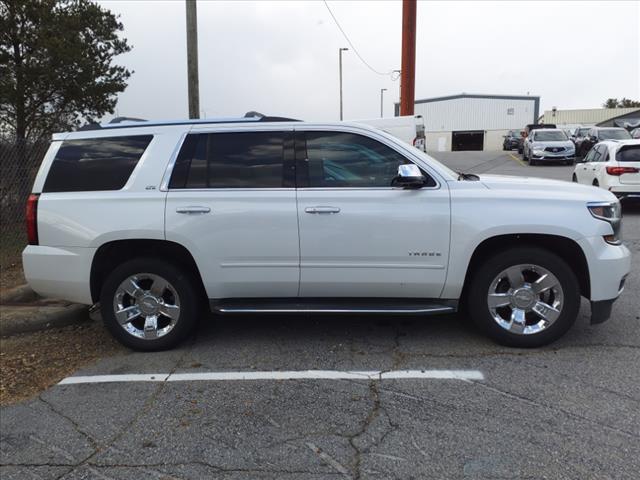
x,y
340,50
382,90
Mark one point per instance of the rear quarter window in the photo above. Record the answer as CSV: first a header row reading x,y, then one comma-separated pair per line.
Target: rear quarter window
x,y
95,164
629,153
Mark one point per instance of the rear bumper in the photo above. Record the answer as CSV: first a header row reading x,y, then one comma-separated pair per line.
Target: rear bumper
x,y
56,272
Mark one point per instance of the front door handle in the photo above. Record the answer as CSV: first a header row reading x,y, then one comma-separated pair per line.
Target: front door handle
x,y
193,210
322,210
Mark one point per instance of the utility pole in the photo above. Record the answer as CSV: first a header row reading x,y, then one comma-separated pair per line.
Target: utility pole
x,y
192,59
340,50
382,90
408,72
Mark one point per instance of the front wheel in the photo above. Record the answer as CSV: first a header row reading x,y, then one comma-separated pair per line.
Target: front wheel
x,y
524,297
149,304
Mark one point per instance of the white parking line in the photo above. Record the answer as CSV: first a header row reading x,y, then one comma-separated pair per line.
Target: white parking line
x,y
281,375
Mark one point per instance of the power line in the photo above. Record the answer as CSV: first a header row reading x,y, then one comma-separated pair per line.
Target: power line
x,y
355,50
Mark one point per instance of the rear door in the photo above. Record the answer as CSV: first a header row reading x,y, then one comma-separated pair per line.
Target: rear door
x,y
232,203
360,237
629,156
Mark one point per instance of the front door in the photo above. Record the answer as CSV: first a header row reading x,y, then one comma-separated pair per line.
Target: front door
x,y
360,237
232,203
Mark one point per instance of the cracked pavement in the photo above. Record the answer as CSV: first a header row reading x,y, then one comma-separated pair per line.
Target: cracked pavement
x,y
569,410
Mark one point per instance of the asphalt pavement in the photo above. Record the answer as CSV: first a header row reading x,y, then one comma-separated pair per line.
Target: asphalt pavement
x,y
569,410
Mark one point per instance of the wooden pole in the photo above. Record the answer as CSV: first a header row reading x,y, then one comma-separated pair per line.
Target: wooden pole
x,y
193,88
408,72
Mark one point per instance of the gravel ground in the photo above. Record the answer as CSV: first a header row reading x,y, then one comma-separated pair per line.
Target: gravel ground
x,y
30,363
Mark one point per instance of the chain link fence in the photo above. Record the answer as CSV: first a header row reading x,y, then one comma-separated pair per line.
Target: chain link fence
x,y
19,162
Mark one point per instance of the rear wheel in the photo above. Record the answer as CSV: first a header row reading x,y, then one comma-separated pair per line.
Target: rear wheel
x,y
524,297
149,304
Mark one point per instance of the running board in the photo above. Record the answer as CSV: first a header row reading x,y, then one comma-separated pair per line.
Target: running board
x,y
394,306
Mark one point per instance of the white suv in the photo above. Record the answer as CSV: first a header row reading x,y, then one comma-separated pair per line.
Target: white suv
x,y
154,221
613,165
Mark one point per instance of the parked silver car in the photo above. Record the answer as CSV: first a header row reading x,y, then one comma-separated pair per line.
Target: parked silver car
x,y
548,144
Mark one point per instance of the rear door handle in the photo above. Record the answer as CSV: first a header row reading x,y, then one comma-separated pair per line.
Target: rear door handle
x,y
322,210
193,210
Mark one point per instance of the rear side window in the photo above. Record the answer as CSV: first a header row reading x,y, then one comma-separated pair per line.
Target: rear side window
x,y
95,164
630,153
230,160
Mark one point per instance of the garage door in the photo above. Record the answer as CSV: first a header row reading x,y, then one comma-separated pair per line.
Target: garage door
x,y
468,140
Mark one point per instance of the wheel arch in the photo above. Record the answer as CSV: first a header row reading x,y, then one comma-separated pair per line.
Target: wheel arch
x,y
111,254
566,248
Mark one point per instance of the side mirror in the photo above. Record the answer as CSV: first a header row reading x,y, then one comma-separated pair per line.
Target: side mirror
x,y
409,176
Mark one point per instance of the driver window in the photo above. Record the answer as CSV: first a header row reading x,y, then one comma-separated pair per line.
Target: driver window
x,y
340,159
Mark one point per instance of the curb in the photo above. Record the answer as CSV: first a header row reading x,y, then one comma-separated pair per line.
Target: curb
x,y
28,318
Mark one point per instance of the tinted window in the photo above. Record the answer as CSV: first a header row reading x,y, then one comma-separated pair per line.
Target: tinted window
x,y
629,154
616,134
337,159
95,164
230,160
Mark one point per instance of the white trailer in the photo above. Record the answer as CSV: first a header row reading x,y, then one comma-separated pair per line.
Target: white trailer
x,y
408,128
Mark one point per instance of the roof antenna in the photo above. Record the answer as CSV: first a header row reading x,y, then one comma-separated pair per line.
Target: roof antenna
x,y
253,114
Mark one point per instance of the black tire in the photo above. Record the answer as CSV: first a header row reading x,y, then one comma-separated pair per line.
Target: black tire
x,y
491,268
596,183
183,284
574,179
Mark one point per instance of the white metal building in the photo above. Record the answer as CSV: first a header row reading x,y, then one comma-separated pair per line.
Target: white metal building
x,y
474,122
586,117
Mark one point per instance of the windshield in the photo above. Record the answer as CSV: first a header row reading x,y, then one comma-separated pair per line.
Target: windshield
x,y
582,132
615,134
550,136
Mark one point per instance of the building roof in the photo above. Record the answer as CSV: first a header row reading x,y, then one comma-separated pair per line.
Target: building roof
x,y
589,116
626,120
476,95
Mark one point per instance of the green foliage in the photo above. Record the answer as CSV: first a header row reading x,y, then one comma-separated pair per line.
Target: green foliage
x,y
56,68
624,103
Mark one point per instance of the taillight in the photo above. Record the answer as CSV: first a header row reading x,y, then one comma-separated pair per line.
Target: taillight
x,y
617,171
32,219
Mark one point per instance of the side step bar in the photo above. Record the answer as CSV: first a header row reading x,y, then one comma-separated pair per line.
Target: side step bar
x,y
335,305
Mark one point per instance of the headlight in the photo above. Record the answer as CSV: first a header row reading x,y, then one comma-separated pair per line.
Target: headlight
x,y
538,152
610,212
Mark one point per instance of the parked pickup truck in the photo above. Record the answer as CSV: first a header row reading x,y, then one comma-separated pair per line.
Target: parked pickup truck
x,y
157,222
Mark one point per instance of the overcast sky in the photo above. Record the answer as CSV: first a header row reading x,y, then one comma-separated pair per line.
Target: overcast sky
x,y
281,58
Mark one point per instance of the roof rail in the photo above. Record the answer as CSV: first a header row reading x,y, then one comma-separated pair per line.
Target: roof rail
x,y
131,122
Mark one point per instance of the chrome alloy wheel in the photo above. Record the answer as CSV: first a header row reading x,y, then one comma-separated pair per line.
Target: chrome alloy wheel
x,y
525,299
146,306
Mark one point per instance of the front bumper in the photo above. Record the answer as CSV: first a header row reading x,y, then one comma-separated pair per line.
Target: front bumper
x,y
555,157
609,266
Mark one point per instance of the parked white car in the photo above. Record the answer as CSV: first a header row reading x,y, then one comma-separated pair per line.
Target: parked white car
x,y
613,165
155,221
